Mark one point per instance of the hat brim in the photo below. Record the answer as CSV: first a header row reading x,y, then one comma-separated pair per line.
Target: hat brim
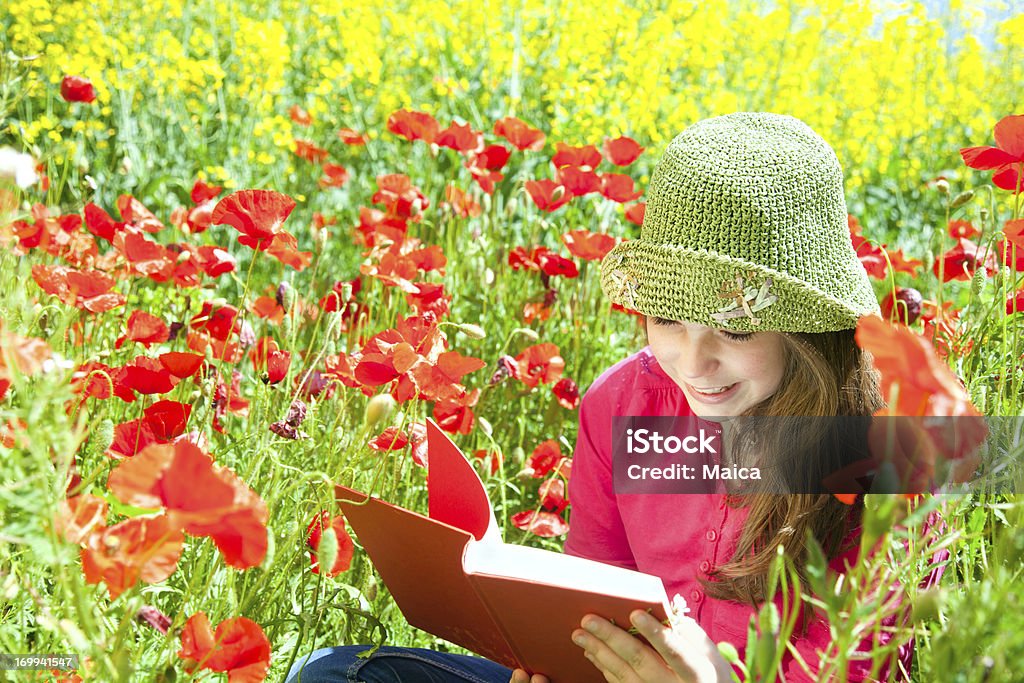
x,y
715,290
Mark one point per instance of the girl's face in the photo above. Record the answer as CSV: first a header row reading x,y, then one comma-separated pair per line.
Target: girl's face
x,y
722,373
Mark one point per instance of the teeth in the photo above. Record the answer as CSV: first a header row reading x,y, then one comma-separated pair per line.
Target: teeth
x,y
713,391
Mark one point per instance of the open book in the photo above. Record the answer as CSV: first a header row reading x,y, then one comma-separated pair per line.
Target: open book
x,y
453,576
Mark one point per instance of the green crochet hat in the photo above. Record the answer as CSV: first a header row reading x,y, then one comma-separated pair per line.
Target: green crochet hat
x,y
746,229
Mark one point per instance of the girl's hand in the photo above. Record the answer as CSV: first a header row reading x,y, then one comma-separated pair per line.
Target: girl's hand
x,y
681,655
520,676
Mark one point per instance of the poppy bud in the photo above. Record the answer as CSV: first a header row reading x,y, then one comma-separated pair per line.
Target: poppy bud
x,y
511,206
942,185
927,605
983,213
101,438
961,199
346,291
485,426
285,296
379,409
906,305
148,614
472,331
527,332
371,589
977,282
286,327
327,550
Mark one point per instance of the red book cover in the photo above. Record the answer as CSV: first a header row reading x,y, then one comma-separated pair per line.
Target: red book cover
x,y
451,575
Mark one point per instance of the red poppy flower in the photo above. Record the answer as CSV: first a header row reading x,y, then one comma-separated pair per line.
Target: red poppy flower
x,y
960,262
1015,302
85,289
1010,255
579,182
902,264
399,264
267,308
79,516
552,495
544,524
520,134
257,214
621,151
391,439
413,125
346,548
202,498
539,364
238,647
535,310
304,149
351,137
100,223
145,257
136,214
586,158
905,361
334,176
200,217
635,213
284,247
871,257
618,187
27,353
567,392
138,549
963,229
215,261
399,196
201,192
144,328
485,166
544,459
147,376
441,379
460,137
430,297
553,264
376,226
77,89
300,115
219,322
547,194
589,246
492,460
1006,158
267,357
455,415
460,203
181,364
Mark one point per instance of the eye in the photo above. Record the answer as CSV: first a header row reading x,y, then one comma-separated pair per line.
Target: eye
x,y
737,336
664,321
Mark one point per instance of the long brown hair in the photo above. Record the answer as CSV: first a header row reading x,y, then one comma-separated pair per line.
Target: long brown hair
x,y
827,375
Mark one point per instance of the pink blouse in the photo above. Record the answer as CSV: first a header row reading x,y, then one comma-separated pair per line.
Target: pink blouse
x,y
676,537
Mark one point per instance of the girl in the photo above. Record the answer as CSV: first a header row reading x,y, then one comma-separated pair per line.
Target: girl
x,y
751,291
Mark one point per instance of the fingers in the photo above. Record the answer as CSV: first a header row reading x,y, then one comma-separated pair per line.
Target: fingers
x,y
685,648
520,676
618,655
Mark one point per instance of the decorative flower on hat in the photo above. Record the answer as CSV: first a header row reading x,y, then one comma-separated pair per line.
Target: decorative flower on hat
x,y
744,300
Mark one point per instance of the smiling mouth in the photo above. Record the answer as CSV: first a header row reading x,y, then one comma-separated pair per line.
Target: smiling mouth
x,y
714,390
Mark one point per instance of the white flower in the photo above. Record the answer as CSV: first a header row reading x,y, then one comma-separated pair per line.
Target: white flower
x,y
21,168
679,611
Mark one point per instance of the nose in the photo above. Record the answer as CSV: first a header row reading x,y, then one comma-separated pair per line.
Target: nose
x,y
699,356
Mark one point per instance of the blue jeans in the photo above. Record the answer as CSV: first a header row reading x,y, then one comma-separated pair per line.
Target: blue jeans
x,y
394,665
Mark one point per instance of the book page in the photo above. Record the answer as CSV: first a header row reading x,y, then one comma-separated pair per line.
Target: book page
x,y
557,569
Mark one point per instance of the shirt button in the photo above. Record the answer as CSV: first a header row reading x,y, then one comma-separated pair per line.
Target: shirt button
x,y
696,596
711,535
705,566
